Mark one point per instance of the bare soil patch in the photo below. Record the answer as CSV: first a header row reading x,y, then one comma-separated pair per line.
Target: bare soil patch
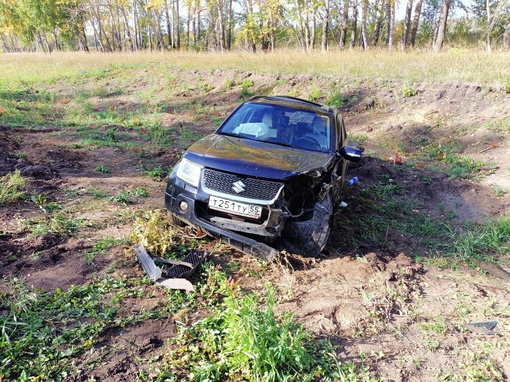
x,y
400,317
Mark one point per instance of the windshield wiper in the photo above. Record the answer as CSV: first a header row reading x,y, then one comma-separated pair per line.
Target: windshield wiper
x,y
279,143
226,133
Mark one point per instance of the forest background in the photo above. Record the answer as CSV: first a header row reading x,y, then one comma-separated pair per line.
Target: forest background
x,y
225,25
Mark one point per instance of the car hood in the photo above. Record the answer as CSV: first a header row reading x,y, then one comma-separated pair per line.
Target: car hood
x,y
255,158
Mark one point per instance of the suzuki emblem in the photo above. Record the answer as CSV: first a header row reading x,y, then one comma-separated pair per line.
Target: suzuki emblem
x,y
239,186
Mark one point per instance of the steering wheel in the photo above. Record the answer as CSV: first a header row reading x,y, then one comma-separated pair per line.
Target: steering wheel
x,y
309,143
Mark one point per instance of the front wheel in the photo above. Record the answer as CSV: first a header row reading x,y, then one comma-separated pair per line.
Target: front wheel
x,y
308,238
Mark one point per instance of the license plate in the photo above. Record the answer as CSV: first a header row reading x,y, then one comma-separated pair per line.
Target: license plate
x,y
243,209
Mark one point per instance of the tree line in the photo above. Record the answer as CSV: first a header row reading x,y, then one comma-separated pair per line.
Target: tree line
x,y
223,25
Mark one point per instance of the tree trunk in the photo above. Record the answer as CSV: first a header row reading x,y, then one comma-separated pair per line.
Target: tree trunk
x,y
314,28
354,26
506,37
149,35
250,16
272,25
198,26
325,27
101,32
364,36
169,29
378,22
441,28
83,40
407,26
159,32
391,24
177,25
229,25
188,28
344,25
115,43
136,28
128,30
221,25
416,21
264,44
4,43
490,25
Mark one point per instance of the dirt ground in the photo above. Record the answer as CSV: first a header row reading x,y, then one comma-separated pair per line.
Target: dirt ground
x,y
400,317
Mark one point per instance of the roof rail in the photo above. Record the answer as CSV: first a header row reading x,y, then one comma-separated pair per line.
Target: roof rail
x,y
301,100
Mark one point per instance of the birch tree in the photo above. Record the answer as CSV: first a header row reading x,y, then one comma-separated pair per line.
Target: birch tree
x,y
344,26
416,21
407,25
441,28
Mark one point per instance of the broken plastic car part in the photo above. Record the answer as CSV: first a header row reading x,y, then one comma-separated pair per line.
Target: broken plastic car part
x,y
175,277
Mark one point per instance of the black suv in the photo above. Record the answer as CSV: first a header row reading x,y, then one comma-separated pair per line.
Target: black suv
x,y
267,179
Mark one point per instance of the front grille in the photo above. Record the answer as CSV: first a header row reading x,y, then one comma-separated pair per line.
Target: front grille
x,y
254,188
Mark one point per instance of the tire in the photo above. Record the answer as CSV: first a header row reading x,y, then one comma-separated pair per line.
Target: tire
x,y
308,238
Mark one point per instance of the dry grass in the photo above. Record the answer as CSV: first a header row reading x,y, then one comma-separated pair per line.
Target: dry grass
x,y
455,65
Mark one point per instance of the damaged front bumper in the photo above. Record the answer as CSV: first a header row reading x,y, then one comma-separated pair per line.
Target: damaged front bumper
x,y
240,242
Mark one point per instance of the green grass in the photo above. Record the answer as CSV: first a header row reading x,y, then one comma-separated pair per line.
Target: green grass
x,y
102,169
44,204
41,333
61,223
245,340
409,90
188,136
335,99
156,173
446,157
383,206
126,197
12,187
315,95
502,125
480,240
102,246
245,87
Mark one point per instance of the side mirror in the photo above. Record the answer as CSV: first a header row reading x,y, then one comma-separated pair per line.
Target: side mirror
x,y
351,154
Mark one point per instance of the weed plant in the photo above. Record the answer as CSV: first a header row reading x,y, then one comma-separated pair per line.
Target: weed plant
x,y
245,88
446,157
62,224
42,332
125,197
479,240
245,340
502,125
409,90
155,232
101,247
44,205
335,99
12,187
156,173
102,169
315,95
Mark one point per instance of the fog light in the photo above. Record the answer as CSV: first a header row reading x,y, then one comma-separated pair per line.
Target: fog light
x,y
183,205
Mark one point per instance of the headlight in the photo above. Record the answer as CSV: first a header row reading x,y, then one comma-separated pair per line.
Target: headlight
x,y
189,172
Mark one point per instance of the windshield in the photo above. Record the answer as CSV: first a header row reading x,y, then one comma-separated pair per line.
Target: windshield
x,y
299,128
